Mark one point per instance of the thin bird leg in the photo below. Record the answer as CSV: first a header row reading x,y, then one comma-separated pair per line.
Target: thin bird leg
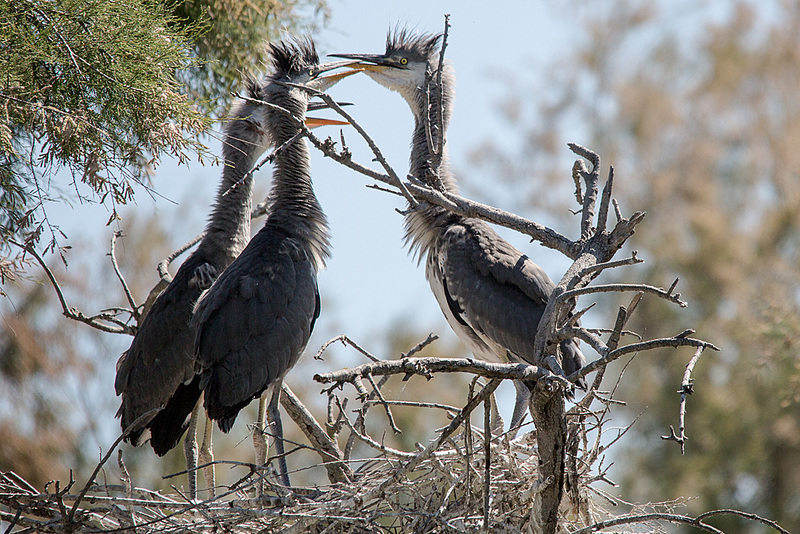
x,y
520,407
274,417
190,451
207,458
260,442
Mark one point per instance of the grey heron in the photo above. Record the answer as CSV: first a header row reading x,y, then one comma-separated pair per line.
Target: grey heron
x,y
159,367
255,320
492,295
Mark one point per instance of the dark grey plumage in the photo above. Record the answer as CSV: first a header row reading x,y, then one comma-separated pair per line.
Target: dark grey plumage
x,y
254,322
492,295
161,355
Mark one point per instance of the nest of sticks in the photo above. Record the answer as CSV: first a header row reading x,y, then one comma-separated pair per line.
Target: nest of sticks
x,y
447,486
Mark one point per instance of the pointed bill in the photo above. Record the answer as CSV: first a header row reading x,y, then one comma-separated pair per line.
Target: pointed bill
x,y
314,122
374,62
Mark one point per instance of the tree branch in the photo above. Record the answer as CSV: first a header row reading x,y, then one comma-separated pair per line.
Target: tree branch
x,y
427,366
73,313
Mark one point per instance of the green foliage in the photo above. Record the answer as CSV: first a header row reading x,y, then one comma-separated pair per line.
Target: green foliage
x,y
89,86
104,90
231,40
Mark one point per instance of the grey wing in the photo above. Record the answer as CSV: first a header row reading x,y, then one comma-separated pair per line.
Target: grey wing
x,y
252,326
494,288
160,356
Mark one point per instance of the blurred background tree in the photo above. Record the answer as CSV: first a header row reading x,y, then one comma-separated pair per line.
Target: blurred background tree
x,y
698,109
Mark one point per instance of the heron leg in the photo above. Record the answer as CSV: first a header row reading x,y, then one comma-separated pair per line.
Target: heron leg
x,y
274,417
520,407
260,443
190,451
207,458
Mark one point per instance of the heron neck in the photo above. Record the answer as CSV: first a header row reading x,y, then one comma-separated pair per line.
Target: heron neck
x,y
423,160
244,140
294,207
425,223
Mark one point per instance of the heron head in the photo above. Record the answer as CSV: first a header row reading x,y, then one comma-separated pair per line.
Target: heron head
x,y
295,66
297,62
403,66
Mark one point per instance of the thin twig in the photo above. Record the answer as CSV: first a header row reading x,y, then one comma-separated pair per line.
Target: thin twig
x,y
687,388
607,288
72,313
639,347
104,459
383,402
633,260
487,474
117,234
605,199
164,264
345,341
746,515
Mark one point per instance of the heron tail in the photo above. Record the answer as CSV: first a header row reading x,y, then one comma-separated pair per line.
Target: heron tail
x,y
169,425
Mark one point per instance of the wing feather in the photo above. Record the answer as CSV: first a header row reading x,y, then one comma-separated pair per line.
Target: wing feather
x,y
499,291
254,323
160,357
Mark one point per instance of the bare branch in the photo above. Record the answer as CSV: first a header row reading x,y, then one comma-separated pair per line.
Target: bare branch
x,y
332,456
696,522
607,288
591,178
639,347
602,215
633,260
345,341
117,234
73,313
419,346
427,366
687,388
753,517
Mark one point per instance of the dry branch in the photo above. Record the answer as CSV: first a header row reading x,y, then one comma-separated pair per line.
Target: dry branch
x,y
428,366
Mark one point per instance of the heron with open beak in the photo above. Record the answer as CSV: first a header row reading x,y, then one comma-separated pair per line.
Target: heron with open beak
x,y
492,295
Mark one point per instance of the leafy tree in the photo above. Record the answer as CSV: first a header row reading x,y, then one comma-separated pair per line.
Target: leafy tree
x,y
703,111
106,89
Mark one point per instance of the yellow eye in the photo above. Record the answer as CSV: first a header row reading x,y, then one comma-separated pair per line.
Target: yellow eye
x,y
403,61
311,72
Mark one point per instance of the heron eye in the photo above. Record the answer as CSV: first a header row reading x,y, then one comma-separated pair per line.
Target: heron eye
x,y
403,61
311,72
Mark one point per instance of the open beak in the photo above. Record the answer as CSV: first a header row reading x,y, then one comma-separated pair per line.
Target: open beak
x,y
314,122
373,62
323,83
